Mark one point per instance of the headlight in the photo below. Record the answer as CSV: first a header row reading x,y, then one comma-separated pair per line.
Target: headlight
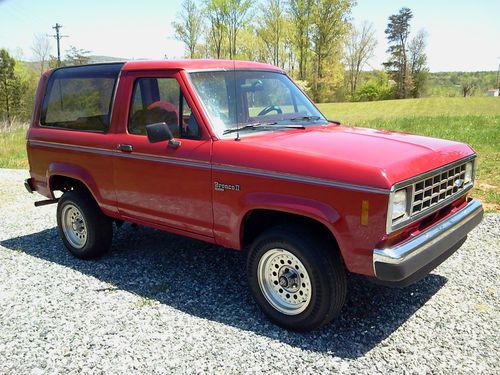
x,y
469,168
399,204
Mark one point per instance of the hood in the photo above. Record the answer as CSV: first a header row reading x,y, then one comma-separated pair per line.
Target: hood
x,y
363,156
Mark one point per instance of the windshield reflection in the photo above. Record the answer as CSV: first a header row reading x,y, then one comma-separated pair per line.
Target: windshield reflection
x,y
243,98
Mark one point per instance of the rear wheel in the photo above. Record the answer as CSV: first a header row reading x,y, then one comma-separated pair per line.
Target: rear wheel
x,y
297,280
86,232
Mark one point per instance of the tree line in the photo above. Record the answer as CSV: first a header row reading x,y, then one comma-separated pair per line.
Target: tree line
x,y
305,37
19,79
313,40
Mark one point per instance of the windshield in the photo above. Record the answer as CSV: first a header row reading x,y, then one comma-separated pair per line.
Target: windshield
x,y
251,100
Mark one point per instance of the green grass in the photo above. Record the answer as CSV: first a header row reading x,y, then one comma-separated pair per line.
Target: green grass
x,y
13,148
355,113
475,121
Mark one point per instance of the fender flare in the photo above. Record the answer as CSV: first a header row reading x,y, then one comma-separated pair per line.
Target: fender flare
x,y
75,172
309,208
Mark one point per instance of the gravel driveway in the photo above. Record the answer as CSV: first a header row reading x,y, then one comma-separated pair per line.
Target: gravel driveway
x,y
160,303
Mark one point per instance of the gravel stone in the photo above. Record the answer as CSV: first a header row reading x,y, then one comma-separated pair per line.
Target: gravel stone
x,y
161,304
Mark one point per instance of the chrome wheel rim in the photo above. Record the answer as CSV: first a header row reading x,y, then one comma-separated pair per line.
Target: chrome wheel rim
x,y
74,226
284,281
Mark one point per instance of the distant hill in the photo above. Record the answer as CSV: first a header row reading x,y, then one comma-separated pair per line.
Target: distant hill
x,y
94,59
438,84
449,84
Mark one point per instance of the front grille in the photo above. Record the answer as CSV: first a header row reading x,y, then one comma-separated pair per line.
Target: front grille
x,y
436,188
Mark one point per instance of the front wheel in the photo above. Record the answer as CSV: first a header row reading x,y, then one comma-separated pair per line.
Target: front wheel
x,y
86,232
296,279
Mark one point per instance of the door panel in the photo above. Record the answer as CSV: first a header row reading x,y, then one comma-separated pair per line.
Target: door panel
x,y
157,183
165,186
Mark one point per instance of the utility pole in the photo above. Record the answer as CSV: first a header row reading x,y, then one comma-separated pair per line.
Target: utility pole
x,y
58,38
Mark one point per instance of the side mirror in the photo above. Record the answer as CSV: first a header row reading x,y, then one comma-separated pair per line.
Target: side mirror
x,y
160,132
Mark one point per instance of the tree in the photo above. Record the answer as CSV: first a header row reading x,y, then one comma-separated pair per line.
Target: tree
x,y
468,84
418,63
300,12
216,14
397,32
27,83
189,28
359,48
41,50
11,87
330,26
376,87
252,47
272,29
236,18
76,56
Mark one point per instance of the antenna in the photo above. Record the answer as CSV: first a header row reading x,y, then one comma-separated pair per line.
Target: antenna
x,y
236,103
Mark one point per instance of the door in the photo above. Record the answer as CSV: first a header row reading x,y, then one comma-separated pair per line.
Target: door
x,y
155,183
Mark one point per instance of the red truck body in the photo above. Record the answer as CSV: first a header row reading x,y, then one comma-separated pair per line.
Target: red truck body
x,y
338,176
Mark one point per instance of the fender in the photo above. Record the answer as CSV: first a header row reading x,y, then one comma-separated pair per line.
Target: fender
x,y
312,209
80,174
292,204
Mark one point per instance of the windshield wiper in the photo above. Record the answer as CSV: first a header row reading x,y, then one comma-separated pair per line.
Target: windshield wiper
x,y
262,126
305,118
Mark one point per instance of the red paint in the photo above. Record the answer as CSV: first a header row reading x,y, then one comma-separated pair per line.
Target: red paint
x,y
288,170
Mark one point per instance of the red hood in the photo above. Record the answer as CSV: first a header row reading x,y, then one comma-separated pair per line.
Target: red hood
x,y
347,154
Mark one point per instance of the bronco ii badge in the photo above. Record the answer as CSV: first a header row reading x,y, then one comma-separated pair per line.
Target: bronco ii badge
x,y
223,187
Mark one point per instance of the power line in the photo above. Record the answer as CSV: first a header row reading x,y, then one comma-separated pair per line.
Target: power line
x,y
58,39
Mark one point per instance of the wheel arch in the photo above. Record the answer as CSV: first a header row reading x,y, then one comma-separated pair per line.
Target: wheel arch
x,y
272,208
258,220
63,177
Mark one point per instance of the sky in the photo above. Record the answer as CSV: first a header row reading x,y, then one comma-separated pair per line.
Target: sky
x,y
463,35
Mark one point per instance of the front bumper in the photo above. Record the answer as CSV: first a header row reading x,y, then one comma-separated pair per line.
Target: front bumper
x,y
411,260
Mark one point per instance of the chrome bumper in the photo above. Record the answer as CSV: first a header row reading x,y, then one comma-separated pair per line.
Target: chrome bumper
x,y
409,261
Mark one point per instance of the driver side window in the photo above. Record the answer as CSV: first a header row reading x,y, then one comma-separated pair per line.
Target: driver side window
x,y
161,100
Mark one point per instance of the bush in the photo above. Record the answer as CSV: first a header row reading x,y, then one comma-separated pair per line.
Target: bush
x,y
372,91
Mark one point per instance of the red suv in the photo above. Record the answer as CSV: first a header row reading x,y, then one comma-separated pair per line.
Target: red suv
x,y
235,154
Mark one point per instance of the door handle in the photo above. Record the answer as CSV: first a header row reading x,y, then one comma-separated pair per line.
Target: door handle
x,y
124,147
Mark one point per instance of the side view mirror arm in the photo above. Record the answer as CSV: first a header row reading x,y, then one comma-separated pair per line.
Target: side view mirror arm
x,y
160,132
174,143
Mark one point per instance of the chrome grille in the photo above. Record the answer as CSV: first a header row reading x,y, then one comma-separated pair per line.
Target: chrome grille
x,y
435,188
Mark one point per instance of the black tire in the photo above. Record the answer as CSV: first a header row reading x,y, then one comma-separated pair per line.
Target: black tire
x,y
325,273
95,238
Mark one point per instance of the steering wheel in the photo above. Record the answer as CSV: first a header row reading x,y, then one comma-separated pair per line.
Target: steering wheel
x,y
271,108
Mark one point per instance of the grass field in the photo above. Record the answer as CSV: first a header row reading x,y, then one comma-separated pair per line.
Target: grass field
x,y
13,147
475,121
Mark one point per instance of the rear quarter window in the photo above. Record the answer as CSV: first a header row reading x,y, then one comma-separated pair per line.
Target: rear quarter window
x,y
80,98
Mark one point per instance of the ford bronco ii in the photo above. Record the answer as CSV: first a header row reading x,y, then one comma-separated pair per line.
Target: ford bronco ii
x,y
235,154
